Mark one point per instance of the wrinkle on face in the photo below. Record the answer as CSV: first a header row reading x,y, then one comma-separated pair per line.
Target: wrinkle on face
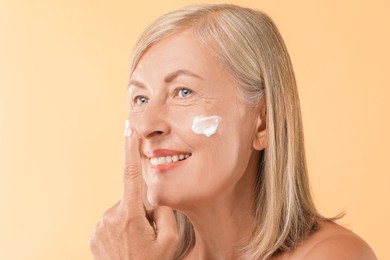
x,y
218,162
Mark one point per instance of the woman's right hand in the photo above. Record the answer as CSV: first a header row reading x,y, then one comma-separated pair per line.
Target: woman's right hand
x,y
128,230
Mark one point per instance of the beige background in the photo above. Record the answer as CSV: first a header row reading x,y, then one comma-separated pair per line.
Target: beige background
x,y
63,73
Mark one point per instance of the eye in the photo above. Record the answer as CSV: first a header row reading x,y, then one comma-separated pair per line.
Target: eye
x,y
184,92
141,100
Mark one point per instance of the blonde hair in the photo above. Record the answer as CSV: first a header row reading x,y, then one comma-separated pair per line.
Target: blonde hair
x,y
249,46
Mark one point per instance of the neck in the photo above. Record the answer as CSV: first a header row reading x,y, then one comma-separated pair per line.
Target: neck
x,y
220,235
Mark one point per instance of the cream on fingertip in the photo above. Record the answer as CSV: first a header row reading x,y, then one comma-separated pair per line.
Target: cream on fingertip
x,y
127,129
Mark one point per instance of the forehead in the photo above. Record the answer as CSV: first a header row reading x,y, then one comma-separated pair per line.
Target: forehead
x,y
181,51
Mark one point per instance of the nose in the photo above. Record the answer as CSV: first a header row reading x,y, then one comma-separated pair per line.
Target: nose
x,y
151,123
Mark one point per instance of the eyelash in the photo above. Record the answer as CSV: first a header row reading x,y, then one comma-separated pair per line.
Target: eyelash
x,y
137,98
176,94
177,91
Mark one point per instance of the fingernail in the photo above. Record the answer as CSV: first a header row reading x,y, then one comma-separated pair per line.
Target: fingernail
x,y
127,129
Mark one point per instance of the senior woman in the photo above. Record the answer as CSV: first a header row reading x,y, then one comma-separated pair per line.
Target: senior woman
x,y
215,163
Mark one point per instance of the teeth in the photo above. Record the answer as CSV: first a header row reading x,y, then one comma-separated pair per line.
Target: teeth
x,y
168,159
161,160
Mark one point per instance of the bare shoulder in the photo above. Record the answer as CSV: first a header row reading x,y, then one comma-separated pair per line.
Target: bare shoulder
x,y
332,241
336,242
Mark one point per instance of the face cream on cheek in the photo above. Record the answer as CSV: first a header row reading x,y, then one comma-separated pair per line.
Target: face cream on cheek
x,y
206,125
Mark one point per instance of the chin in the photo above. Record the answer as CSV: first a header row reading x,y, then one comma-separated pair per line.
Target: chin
x,y
173,198
161,198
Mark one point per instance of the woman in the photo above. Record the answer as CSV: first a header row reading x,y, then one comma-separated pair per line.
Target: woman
x,y
215,133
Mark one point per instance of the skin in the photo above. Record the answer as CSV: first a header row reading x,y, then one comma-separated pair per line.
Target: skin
x,y
213,187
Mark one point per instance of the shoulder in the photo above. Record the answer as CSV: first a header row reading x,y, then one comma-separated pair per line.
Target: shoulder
x,y
332,241
341,247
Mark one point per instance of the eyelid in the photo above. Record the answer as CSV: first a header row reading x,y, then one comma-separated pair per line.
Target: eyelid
x,y
134,99
177,90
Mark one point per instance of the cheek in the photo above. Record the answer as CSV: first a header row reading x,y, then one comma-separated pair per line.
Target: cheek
x,y
232,147
223,156
134,118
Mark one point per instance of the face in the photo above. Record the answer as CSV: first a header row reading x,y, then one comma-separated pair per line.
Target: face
x,y
175,81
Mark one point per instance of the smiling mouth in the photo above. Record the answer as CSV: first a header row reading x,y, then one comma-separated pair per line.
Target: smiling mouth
x,y
156,161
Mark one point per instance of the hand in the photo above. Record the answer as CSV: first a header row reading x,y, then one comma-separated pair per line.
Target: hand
x,y
128,230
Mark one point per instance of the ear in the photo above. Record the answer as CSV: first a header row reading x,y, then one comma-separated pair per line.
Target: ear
x,y
260,138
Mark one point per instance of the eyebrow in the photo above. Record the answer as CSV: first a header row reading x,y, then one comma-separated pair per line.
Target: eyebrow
x,y
136,83
173,75
169,78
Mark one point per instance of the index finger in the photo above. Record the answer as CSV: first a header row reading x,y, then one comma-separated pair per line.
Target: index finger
x,y
132,178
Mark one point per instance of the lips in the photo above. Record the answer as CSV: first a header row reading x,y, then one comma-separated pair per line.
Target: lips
x,y
163,160
155,161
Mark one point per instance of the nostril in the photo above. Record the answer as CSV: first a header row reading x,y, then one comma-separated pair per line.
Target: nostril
x,y
152,124
155,133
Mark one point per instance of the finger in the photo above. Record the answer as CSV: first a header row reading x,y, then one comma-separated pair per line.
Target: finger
x,y
110,214
132,178
166,226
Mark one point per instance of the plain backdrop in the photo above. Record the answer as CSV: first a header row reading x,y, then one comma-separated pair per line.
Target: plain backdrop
x,y
63,75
